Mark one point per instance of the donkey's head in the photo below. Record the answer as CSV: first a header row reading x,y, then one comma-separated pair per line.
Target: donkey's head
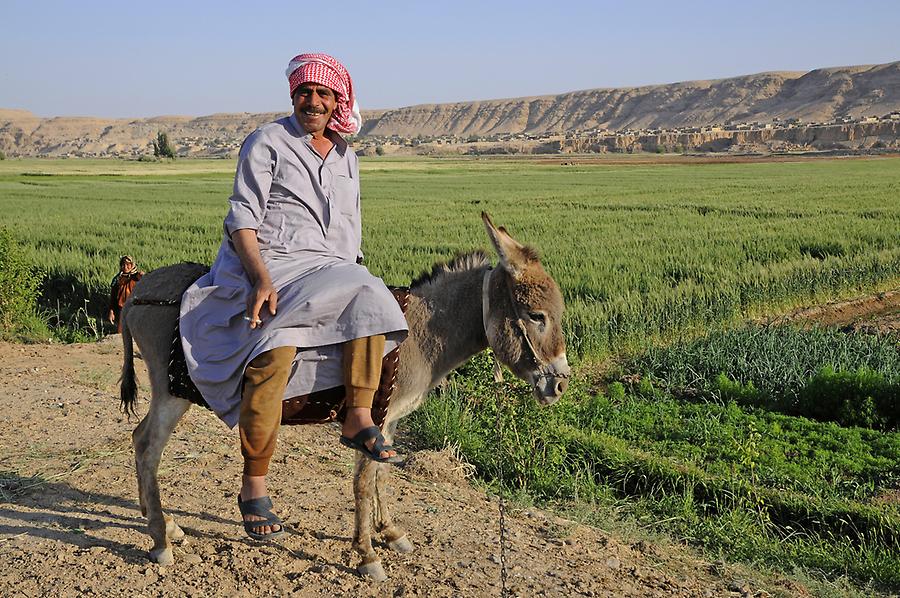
x,y
523,311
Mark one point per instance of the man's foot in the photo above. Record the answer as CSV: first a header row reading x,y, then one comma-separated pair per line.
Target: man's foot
x,y
253,487
378,448
357,420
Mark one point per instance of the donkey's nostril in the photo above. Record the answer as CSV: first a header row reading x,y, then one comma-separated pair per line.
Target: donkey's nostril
x,y
561,386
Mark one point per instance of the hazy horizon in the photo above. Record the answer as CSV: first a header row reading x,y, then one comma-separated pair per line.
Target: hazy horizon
x,y
194,59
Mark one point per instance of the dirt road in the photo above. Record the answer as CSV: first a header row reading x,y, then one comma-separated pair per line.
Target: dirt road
x,y
70,525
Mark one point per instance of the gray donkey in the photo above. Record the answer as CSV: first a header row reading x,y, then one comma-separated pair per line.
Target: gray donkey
x,y
456,311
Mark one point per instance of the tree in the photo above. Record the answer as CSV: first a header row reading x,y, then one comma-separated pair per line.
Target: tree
x,y
2,155
379,150
161,146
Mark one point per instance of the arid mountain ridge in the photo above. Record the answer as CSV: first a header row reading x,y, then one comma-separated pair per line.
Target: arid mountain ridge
x,y
820,95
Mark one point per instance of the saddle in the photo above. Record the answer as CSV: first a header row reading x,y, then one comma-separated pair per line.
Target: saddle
x,y
319,407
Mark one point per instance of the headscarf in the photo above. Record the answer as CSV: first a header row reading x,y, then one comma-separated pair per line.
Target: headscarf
x,y
126,258
323,69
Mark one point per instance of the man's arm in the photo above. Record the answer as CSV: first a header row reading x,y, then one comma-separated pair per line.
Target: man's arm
x,y
252,182
246,246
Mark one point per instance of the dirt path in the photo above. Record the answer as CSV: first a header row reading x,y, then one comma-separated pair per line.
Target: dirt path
x,y
872,313
69,522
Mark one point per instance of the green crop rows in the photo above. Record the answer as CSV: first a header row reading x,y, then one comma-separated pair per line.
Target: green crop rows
x,y
640,251
749,484
739,439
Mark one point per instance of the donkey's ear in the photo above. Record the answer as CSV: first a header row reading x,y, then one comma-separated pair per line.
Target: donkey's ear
x,y
514,256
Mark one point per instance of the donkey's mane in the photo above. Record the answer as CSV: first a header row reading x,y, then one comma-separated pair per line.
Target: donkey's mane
x,y
462,262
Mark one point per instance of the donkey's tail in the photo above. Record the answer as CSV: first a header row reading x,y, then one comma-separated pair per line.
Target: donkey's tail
x,y
128,382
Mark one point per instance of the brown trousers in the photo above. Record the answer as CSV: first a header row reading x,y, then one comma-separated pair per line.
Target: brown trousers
x,y
265,379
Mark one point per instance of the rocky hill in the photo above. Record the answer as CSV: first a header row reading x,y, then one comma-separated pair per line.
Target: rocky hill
x,y
819,95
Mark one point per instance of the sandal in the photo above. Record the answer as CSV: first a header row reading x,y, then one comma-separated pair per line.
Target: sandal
x,y
358,442
261,508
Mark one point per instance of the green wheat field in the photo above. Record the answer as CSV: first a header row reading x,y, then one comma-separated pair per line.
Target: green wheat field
x,y
771,445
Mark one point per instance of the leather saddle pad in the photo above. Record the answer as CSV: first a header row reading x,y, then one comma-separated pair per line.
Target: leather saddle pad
x,y
319,407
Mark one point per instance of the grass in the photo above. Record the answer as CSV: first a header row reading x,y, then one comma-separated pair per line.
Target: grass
x,y
640,250
853,379
702,432
750,484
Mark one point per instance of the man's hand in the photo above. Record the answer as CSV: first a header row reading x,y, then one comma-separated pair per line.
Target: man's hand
x,y
263,292
247,247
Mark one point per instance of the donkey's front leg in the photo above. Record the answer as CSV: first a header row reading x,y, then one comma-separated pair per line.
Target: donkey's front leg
x,y
364,494
394,536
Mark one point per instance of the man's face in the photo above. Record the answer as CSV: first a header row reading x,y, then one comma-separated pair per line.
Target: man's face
x,y
313,105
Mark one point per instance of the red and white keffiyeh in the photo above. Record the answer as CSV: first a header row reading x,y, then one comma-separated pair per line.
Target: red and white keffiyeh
x,y
326,70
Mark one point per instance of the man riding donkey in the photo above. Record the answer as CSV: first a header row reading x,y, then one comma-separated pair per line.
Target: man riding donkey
x,y
287,308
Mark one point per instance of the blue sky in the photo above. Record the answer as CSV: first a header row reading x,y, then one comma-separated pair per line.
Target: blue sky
x,y
194,57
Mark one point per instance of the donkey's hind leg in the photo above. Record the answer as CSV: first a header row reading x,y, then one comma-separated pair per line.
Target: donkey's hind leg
x,y
392,534
150,438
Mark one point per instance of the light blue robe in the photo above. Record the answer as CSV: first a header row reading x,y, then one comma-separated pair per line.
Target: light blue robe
x,y
306,212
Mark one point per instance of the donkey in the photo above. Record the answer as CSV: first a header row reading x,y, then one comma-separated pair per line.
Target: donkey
x,y
455,311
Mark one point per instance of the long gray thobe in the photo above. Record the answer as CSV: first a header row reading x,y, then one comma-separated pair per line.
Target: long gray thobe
x,y
307,216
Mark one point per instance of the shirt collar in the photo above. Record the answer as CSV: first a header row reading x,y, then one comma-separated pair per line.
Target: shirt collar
x,y
340,145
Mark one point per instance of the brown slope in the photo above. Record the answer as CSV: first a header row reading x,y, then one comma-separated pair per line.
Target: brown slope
x,y
23,134
817,95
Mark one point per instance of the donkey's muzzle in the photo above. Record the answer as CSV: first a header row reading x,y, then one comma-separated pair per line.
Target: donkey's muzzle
x,y
550,385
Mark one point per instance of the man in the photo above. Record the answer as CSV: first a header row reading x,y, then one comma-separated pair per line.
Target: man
x,y
286,309
122,285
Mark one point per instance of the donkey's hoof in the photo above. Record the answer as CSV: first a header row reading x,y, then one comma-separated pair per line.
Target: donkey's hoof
x,y
401,545
373,571
162,556
173,532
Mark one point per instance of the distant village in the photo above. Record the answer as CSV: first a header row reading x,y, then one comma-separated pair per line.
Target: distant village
x,y
793,133
221,137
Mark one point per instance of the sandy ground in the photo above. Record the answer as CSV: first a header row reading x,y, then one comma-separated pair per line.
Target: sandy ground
x,y
70,524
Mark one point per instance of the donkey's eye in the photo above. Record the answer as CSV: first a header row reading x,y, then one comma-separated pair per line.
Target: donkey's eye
x,y
536,317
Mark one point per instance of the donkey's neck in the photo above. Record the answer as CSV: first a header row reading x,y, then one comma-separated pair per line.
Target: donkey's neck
x,y
451,329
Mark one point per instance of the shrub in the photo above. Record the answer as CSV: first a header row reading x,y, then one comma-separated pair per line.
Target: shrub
x,y
2,155
19,283
851,398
